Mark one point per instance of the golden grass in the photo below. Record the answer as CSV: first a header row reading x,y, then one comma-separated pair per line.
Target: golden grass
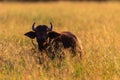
x,y
96,24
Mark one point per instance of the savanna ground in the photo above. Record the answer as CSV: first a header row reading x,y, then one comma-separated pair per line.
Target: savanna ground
x,y
96,24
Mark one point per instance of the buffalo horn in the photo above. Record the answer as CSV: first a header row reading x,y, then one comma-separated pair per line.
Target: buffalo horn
x,y
51,26
33,28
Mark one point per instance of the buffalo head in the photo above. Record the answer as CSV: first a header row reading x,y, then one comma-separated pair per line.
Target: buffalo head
x,y
41,34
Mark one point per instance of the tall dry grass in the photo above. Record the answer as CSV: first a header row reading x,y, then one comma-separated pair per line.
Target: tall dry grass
x,y
96,24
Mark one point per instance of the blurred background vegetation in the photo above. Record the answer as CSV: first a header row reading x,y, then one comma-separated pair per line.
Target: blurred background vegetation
x,y
58,0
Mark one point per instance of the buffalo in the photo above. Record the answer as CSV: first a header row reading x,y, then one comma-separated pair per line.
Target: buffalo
x,y
48,40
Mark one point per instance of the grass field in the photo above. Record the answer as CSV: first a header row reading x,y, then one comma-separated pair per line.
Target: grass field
x,y
96,24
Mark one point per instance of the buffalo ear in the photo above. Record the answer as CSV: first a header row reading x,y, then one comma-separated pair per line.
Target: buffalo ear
x,y
30,34
53,34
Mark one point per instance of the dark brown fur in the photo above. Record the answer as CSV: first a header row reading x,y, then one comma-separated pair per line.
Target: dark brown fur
x,y
47,38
